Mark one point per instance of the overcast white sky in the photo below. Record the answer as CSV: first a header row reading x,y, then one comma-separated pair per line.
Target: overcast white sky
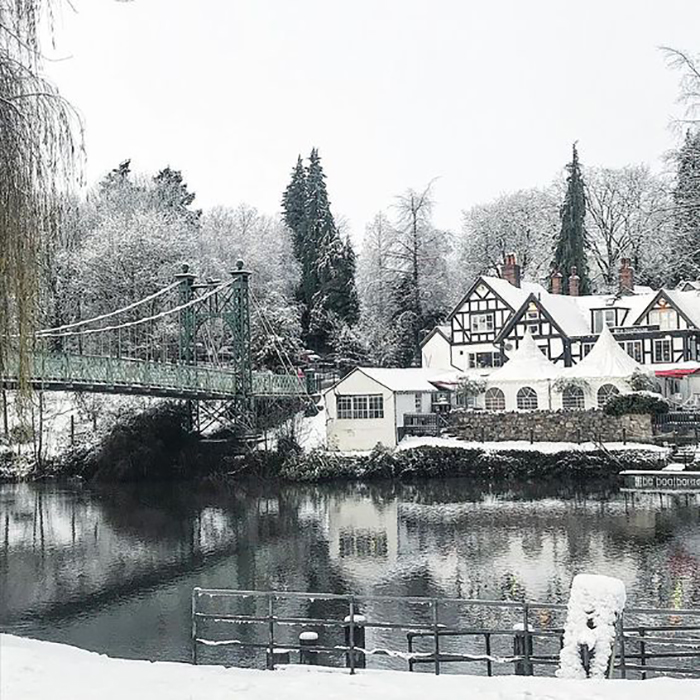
x,y
486,95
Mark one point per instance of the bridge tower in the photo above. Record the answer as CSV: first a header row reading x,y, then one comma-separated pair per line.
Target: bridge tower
x,y
231,306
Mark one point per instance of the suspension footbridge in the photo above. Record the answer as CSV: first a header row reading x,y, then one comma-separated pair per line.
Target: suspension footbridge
x,y
190,340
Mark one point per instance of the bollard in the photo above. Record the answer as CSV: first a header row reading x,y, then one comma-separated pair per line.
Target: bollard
x,y
532,436
522,641
578,436
307,654
482,435
359,641
277,657
624,436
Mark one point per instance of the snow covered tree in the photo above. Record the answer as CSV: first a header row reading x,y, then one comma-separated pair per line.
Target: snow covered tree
x,y
571,244
524,223
327,262
419,254
628,216
686,208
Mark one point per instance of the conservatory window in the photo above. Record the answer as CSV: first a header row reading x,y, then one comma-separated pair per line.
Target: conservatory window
x,y
481,323
344,407
605,392
573,398
527,399
495,400
662,351
376,406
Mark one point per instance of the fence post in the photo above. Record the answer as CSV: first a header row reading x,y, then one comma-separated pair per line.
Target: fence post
x,y
355,639
624,436
193,626
436,636
307,654
489,664
532,436
643,651
271,635
620,624
522,646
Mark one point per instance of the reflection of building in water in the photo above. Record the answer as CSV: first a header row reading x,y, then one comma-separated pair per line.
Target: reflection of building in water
x,y
363,536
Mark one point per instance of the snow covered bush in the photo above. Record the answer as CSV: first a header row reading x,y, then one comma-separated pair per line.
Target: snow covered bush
x,y
561,384
595,603
642,381
637,402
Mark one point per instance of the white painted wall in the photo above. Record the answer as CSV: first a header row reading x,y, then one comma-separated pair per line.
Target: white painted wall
x,y
347,435
460,355
435,354
406,403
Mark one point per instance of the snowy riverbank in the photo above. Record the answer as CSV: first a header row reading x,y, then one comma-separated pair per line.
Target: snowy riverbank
x,y
34,670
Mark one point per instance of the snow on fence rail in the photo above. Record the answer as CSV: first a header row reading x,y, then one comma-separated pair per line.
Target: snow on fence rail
x,y
266,628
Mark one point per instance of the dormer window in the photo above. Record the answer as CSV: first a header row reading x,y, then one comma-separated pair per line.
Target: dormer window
x,y
604,317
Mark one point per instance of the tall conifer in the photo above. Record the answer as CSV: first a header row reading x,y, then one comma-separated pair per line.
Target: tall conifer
x,y
686,211
571,244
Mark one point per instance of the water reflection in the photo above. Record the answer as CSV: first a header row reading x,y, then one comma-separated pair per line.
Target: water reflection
x,y
112,569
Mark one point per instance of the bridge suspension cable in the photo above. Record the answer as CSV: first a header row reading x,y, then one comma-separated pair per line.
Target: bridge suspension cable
x,y
140,321
53,332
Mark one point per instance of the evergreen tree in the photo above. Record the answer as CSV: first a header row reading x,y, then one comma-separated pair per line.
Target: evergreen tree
x,y
686,210
171,194
327,288
571,244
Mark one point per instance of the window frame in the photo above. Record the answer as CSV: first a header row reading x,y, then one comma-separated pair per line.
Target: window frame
x,y
636,345
359,406
494,394
476,318
612,390
526,399
580,398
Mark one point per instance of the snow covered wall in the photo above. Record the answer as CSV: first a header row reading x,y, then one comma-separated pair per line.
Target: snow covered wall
x,y
595,603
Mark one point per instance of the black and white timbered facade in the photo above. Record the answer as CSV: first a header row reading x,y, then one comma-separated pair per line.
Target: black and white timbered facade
x,y
653,327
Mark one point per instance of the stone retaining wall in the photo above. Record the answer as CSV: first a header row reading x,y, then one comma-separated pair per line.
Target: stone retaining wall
x,y
550,426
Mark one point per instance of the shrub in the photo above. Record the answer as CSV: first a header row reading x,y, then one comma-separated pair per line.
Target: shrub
x,y
644,402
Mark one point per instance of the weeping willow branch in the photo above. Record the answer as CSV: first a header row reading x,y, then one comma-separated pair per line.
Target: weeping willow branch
x,y
39,131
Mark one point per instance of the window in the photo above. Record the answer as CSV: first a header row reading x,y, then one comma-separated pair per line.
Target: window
x,y
481,323
587,347
360,407
495,400
573,398
344,407
604,316
662,351
665,319
479,360
418,403
376,406
604,393
634,349
527,399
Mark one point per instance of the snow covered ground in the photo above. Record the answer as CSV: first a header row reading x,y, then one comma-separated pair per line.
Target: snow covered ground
x,y
30,670
410,443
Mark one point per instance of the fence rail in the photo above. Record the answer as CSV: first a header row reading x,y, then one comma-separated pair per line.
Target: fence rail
x,y
651,641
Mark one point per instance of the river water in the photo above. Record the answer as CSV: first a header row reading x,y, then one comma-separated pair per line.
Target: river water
x,y
112,569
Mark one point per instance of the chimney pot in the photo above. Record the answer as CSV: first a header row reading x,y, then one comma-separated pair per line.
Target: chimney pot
x,y
626,276
574,283
511,270
557,282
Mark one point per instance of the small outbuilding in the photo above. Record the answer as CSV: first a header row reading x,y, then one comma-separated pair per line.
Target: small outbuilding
x,y
372,405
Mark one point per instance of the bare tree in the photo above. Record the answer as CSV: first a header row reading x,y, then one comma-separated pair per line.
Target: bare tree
x,y
629,212
689,97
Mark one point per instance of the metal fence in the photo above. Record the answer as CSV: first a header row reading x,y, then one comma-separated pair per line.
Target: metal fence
x,y
253,628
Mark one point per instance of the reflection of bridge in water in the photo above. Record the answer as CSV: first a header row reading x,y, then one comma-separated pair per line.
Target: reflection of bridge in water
x,y
188,341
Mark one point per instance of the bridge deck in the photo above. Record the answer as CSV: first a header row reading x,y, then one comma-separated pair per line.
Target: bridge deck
x,y
62,372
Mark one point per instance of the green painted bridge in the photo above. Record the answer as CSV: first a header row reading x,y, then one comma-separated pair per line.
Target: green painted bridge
x,y
81,373
188,340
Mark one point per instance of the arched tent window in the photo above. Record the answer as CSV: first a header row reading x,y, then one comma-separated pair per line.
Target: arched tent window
x,y
495,400
527,399
605,392
573,398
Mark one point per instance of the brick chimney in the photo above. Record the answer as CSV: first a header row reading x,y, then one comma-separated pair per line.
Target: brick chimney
x,y
556,282
626,277
511,270
574,283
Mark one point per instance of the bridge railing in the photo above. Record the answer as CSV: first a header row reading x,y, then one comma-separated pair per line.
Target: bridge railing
x,y
84,371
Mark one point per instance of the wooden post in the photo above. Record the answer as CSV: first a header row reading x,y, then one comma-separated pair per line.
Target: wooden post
x,y
307,654
72,430
436,628
355,639
522,646
6,422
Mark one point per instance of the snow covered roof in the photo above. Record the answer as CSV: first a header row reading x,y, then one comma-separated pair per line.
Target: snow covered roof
x,y
606,359
512,295
527,363
567,314
399,379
